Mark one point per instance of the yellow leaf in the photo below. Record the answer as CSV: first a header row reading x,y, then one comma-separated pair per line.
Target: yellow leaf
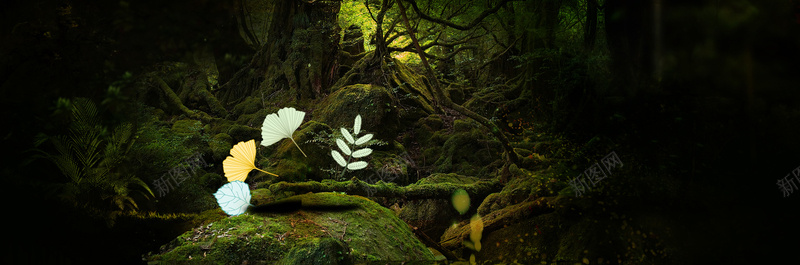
x,y
241,161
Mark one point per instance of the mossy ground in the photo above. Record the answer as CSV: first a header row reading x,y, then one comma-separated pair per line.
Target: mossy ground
x,y
369,232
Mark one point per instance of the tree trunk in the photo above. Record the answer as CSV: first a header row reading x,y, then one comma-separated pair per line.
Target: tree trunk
x,y
590,29
299,56
627,26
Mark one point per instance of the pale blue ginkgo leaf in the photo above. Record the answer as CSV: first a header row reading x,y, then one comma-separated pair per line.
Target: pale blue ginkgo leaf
x,y
343,146
338,157
357,165
233,197
347,136
363,139
361,153
357,125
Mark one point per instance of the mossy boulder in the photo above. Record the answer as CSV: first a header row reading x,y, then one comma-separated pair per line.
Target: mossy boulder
x,y
220,145
244,133
319,251
374,103
469,151
524,185
585,231
434,216
187,127
318,228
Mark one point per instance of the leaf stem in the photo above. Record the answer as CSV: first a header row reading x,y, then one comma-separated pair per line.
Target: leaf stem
x,y
298,147
349,157
266,172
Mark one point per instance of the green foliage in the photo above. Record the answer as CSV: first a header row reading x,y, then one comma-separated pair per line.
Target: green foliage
x,y
354,12
159,148
93,159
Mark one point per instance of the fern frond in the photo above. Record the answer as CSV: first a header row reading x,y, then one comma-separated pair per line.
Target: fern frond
x,y
68,167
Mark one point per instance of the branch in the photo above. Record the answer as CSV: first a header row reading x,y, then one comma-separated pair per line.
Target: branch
x,y
499,55
435,57
440,98
428,241
495,220
472,24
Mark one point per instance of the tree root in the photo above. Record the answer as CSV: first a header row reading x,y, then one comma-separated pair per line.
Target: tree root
x,y
174,101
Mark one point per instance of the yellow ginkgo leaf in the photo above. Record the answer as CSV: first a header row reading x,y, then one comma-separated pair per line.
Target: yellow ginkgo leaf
x,y
241,161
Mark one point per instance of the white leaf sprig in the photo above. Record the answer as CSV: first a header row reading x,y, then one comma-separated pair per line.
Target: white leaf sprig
x,y
348,148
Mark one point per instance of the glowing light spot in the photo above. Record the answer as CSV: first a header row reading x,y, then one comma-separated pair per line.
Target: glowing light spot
x,y
460,201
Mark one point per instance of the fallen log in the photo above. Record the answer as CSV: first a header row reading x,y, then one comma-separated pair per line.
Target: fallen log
x,y
479,189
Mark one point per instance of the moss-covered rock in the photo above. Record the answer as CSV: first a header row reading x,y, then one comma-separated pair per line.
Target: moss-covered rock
x,y
373,103
524,185
319,251
244,133
330,228
220,145
187,127
469,151
434,216
247,106
255,119
585,231
429,134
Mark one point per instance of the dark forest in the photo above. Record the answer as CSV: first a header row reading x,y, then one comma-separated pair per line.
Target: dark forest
x,y
401,131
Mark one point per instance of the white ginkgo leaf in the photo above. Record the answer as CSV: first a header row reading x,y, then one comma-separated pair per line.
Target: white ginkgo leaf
x,y
347,136
361,153
343,146
363,139
357,125
233,197
338,157
282,125
357,165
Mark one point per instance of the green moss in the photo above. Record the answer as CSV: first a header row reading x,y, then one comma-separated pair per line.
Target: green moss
x,y
319,251
247,106
220,145
187,127
463,125
434,122
291,170
310,233
373,103
451,178
212,180
468,153
243,133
